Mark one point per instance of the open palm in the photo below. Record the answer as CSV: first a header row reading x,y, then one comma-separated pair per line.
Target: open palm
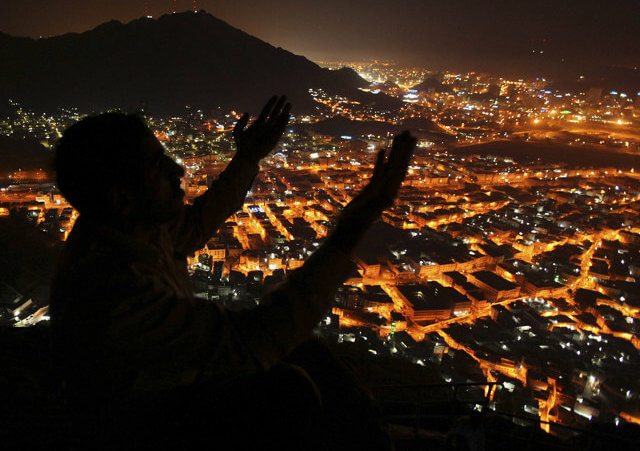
x,y
258,139
388,174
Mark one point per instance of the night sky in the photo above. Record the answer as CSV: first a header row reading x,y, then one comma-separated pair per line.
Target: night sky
x,y
446,32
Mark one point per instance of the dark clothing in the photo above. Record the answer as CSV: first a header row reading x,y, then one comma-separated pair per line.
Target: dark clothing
x,y
311,401
279,407
125,320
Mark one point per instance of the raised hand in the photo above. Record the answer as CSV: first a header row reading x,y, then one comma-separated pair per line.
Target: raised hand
x,y
366,207
256,141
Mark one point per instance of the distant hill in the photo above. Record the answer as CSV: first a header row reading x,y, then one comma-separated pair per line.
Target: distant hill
x,y
431,84
554,153
25,154
164,64
341,126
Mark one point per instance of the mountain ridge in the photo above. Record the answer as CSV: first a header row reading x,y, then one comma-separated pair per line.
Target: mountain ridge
x,y
163,65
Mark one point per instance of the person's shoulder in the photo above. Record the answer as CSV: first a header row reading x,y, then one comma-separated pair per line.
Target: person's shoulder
x,y
86,252
104,245
99,262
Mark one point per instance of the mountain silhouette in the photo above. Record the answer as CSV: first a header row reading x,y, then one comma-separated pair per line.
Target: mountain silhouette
x,y
421,128
164,65
431,84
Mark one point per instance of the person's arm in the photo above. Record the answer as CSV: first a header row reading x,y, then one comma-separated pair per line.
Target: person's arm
x,y
226,195
289,313
175,341
166,341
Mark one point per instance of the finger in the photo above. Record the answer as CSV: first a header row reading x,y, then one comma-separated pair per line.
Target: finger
x,y
373,189
399,159
283,118
401,151
398,164
277,130
286,110
240,125
378,169
403,140
275,114
266,109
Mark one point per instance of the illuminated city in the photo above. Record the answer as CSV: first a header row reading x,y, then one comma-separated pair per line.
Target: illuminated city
x,y
542,256
510,258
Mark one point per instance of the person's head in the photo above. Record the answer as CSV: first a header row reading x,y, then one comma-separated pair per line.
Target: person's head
x,y
112,167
